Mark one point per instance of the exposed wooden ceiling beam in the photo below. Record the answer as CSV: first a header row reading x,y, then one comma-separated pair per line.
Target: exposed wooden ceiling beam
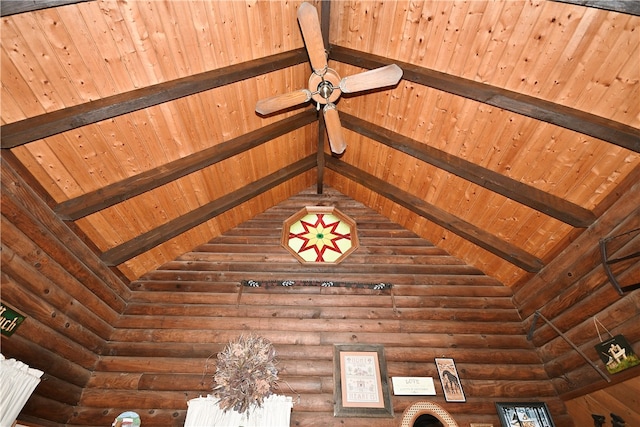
x,y
631,7
110,195
325,21
44,125
487,241
20,6
569,118
541,201
173,228
322,140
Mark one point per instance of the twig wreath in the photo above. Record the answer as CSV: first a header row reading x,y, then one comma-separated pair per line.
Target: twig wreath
x,y
245,374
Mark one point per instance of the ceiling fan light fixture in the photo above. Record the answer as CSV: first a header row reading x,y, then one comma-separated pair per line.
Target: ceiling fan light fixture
x,y
325,89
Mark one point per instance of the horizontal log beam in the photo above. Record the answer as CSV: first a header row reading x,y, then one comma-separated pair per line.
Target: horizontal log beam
x,y
570,361
68,320
131,327
407,354
93,397
203,261
442,285
601,298
279,337
580,257
595,386
59,241
30,267
150,416
179,310
323,298
35,354
293,266
46,412
462,277
622,317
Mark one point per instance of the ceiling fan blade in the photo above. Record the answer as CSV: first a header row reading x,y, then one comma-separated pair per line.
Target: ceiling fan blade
x,y
388,75
312,35
334,129
280,102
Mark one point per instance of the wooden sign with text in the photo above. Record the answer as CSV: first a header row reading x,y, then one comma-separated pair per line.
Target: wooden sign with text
x,y
416,386
9,320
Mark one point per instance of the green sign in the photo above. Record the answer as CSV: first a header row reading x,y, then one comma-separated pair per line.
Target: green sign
x,y
9,320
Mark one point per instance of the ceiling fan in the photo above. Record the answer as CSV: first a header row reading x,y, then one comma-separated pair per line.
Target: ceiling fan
x,y
325,85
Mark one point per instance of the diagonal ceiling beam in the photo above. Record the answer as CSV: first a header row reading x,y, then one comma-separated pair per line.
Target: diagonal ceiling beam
x,y
579,121
541,201
44,125
325,19
110,195
487,241
173,228
11,7
631,7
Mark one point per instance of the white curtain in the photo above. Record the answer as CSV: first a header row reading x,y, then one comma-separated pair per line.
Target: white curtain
x,y
17,382
205,412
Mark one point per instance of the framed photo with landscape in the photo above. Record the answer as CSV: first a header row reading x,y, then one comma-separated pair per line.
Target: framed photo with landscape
x,y
361,383
524,414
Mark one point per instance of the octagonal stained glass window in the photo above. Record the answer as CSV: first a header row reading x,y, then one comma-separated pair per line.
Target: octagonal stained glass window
x,y
320,235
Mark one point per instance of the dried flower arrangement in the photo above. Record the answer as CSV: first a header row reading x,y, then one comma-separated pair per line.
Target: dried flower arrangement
x,y
245,373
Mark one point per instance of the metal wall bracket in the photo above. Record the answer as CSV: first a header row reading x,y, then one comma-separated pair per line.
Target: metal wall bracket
x,y
559,332
606,263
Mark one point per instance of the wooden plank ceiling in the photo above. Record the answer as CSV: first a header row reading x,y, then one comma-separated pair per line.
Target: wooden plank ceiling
x,y
512,130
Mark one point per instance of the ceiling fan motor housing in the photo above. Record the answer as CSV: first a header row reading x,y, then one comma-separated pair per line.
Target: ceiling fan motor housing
x,y
325,88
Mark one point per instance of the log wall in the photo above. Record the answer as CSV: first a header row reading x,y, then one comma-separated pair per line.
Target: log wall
x,y
151,346
69,298
182,314
576,295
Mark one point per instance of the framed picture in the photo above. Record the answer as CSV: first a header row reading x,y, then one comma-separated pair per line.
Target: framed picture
x,y
450,380
616,354
361,383
524,414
